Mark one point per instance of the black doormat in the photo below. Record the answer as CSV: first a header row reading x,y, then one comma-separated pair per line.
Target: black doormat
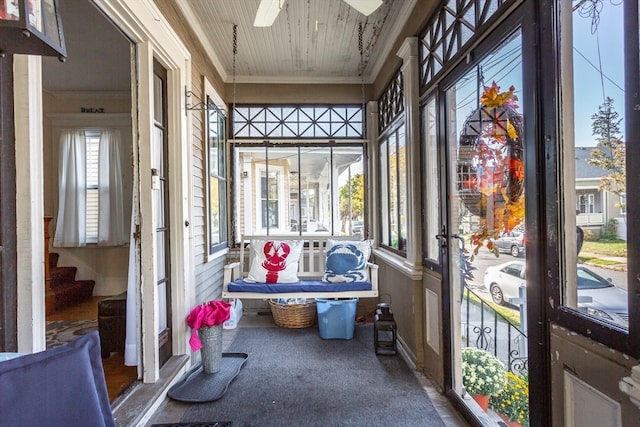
x,y
210,424
196,386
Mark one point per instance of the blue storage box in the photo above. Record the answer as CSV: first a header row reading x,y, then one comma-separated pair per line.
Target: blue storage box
x,y
336,318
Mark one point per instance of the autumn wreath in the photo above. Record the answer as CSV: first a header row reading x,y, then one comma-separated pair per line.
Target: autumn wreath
x,y
490,168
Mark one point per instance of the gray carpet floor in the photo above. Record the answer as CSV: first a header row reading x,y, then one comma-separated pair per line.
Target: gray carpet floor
x,y
295,378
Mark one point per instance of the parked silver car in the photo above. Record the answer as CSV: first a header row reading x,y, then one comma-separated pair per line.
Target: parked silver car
x,y
511,243
596,295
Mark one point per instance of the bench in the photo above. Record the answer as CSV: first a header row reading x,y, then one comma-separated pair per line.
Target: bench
x,y
311,269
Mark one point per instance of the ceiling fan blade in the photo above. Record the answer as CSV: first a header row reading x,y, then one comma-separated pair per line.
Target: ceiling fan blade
x,y
267,13
365,7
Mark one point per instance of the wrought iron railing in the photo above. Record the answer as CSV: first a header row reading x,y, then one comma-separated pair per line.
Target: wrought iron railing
x,y
483,327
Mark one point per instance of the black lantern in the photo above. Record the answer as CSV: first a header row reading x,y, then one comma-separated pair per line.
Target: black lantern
x,y
31,27
384,330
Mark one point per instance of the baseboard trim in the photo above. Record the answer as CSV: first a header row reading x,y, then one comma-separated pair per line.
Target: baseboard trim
x,y
138,406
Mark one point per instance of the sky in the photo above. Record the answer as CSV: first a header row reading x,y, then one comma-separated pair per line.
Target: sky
x,y
588,85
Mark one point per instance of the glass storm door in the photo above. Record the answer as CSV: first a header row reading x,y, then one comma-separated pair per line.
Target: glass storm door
x,y
161,207
485,224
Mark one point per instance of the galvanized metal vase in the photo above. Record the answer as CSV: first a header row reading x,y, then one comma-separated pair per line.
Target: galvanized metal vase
x,y
211,352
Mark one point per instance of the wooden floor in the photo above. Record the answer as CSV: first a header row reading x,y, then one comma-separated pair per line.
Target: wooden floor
x,y
119,377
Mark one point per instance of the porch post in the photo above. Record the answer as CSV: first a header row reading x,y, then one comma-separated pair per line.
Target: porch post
x,y
29,202
373,172
410,82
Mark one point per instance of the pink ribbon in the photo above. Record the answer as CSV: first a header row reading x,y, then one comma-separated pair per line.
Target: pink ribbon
x,y
213,313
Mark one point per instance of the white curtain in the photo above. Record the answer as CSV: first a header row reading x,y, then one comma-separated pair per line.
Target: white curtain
x,y
71,196
71,221
131,335
111,225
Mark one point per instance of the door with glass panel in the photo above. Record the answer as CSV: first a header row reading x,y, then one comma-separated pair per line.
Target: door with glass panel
x,y
161,206
485,211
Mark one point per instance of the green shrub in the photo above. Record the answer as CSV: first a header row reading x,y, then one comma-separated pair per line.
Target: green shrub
x,y
610,231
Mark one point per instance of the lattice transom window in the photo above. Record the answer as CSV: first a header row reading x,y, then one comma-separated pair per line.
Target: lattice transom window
x,y
391,103
450,29
273,122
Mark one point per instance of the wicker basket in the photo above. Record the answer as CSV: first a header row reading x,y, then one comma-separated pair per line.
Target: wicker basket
x,y
294,315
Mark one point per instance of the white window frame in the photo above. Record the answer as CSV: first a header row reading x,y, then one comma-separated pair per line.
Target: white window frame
x,y
260,168
214,251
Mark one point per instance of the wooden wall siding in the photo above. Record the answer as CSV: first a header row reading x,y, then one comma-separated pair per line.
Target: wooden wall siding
x,y
209,280
208,275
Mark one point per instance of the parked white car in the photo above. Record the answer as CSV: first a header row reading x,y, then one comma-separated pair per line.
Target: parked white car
x,y
596,295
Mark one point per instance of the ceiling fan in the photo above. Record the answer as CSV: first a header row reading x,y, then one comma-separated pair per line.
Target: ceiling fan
x,y
268,10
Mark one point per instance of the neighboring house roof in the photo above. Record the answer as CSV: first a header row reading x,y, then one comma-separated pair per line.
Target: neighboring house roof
x,y
584,169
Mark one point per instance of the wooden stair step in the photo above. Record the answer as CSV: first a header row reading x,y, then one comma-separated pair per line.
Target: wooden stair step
x,y
69,294
60,275
53,259
67,291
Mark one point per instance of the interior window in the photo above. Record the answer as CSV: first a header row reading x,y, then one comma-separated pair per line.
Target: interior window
x,y
92,177
393,173
216,183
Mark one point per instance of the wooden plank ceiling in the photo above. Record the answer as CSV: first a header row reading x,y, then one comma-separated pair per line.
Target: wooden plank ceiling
x,y
311,41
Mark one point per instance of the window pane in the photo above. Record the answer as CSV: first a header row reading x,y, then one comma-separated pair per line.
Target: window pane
x,y
594,166
486,218
298,122
270,183
402,190
297,190
157,99
216,183
349,177
393,191
214,197
384,190
92,141
93,205
315,189
394,187
214,141
431,187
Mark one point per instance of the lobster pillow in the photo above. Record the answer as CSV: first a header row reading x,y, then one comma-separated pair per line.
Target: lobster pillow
x,y
346,261
274,261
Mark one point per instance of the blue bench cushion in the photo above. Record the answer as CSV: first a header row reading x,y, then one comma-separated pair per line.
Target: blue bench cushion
x,y
240,285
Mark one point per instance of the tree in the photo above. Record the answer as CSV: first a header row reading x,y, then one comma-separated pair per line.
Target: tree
x,y
610,151
352,200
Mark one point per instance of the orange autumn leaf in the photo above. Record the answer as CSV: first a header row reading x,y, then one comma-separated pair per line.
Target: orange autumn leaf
x,y
517,169
492,97
511,130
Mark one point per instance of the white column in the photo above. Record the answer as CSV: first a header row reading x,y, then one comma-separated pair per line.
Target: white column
x,y
373,171
29,202
410,80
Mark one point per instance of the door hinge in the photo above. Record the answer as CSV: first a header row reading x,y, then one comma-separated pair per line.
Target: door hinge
x,y
136,233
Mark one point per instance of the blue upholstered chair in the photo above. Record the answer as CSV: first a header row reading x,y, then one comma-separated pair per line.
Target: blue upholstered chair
x,y
63,386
